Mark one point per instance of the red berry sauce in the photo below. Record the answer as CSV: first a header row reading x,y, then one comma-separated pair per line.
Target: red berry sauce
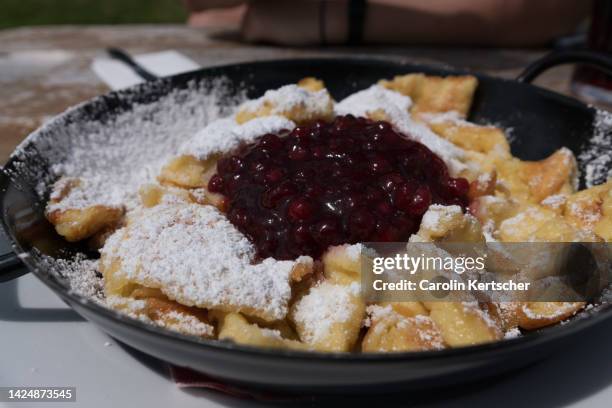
x,y
351,180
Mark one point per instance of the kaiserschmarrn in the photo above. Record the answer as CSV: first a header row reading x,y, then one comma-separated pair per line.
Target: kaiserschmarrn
x,y
252,232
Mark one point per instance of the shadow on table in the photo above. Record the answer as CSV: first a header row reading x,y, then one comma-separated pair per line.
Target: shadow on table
x,y
11,309
156,365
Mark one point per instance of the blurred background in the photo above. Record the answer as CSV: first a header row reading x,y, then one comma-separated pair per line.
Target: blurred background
x,y
314,22
15,13
53,53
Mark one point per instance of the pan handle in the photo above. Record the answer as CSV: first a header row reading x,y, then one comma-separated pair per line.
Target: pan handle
x,y
11,266
598,60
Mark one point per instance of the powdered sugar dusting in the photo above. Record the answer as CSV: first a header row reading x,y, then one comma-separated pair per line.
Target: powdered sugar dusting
x,y
561,310
450,116
325,305
376,312
437,216
422,326
172,320
596,158
484,179
81,274
512,333
197,257
224,135
374,98
84,192
128,305
184,323
288,97
555,201
513,224
128,150
354,251
472,307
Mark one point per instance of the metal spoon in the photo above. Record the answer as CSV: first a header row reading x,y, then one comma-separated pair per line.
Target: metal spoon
x,y
124,57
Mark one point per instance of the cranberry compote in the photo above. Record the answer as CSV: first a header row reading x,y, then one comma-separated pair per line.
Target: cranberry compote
x,y
351,180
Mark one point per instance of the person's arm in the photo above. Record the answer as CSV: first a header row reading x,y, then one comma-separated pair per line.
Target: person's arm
x,y
473,22
483,22
299,22
202,5
216,13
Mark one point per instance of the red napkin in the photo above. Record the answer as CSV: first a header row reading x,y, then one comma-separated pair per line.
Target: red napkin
x,y
186,378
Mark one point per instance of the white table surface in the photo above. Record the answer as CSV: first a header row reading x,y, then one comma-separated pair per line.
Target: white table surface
x,y
44,343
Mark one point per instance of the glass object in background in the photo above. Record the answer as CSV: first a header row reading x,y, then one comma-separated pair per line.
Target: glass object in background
x,y
591,83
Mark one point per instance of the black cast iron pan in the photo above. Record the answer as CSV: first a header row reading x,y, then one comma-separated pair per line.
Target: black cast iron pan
x,y
542,121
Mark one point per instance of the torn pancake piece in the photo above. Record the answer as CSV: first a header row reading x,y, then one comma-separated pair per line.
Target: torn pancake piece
x,y
301,103
196,257
78,208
